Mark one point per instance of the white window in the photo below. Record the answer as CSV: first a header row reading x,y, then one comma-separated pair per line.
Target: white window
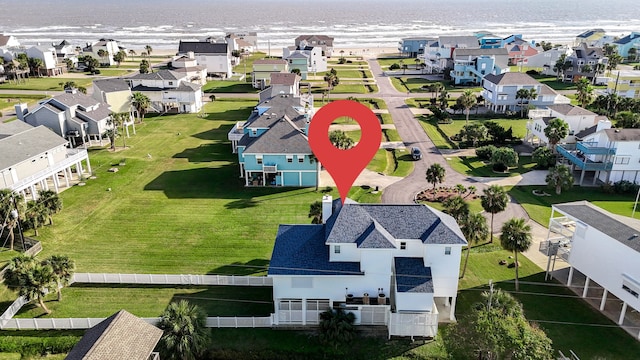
x,y
403,245
447,250
259,160
254,132
300,158
289,158
336,249
170,82
623,160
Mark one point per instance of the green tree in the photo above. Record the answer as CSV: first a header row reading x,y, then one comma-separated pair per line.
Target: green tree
x,y
148,49
474,133
559,178
336,328
503,158
51,202
522,95
63,268
444,99
296,71
30,278
467,100
315,212
35,64
119,57
516,237
340,139
632,54
614,61
544,157
9,214
91,63
35,215
584,92
435,174
185,334
102,53
494,199
145,68
456,207
628,120
436,88
331,78
556,130
140,102
474,227
132,53
558,67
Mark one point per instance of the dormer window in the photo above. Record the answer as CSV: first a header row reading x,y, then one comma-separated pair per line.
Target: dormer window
x,y
254,132
259,160
289,158
403,245
447,250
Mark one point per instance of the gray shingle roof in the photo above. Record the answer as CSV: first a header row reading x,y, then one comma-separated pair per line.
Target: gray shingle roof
x,y
568,109
300,250
13,127
459,41
512,78
284,78
619,228
120,336
270,62
158,75
69,100
353,221
202,47
98,114
586,132
298,55
183,86
281,138
27,144
111,85
623,134
412,276
479,52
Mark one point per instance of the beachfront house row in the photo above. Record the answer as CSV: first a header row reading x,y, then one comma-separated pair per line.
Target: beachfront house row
x,y
323,41
215,56
626,43
77,117
488,40
250,37
393,265
50,65
188,66
34,158
263,68
625,83
108,45
603,252
584,62
238,44
576,117
438,55
499,92
8,41
610,155
169,91
414,46
272,145
470,66
589,37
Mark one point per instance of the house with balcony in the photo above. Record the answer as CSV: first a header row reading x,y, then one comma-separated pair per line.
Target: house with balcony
x,y
488,40
168,91
584,62
545,61
116,93
215,56
323,41
109,45
603,252
414,46
589,37
36,158
519,49
470,66
272,145
281,84
393,265
188,66
263,68
625,83
500,92
610,155
577,118
439,54
77,117
50,65
626,43
316,62
298,60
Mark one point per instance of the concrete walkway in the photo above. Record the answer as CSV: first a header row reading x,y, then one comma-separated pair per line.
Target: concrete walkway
x,y
534,177
367,177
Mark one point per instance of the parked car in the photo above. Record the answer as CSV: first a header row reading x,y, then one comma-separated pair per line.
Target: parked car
x,y
416,153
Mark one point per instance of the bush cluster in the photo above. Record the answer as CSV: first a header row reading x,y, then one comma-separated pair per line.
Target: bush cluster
x,y
27,345
485,152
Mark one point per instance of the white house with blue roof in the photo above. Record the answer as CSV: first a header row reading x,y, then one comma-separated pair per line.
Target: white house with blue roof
x,y
272,145
393,265
626,43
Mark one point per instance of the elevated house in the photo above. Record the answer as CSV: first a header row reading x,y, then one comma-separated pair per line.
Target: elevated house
x,y
169,91
603,252
117,94
120,336
8,41
576,117
393,265
34,158
519,49
215,56
500,92
110,46
250,37
316,62
488,40
627,43
439,55
239,44
50,65
282,84
609,155
77,117
299,60
470,66
414,46
624,83
272,145
589,37
323,41
188,66
545,61
263,68
584,62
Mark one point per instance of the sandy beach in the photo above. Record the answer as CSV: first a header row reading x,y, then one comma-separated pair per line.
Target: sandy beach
x,y
368,52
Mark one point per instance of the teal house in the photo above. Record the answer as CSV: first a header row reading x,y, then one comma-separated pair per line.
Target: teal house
x,y
299,60
626,43
470,66
272,145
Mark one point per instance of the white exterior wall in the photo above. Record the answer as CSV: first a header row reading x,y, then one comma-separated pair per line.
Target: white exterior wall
x,y
445,269
348,252
332,287
626,163
39,162
604,260
414,301
215,64
48,57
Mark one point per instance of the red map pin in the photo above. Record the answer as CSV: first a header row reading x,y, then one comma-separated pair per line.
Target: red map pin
x,y
344,166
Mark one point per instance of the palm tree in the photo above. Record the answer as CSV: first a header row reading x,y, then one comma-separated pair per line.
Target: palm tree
x,y
140,102
112,131
516,237
444,99
437,87
32,279
584,93
121,118
435,174
35,215
315,212
51,202
417,61
533,94
336,327
185,334
35,64
474,228
456,207
522,95
103,54
467,100
148,49
556,130
63,269
494,200
132,53
9,215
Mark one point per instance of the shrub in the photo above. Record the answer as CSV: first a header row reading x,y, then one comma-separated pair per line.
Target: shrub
x,y
533,72
504,156
485,152
28,345
544,157
625,187
394,66
342,61
95,71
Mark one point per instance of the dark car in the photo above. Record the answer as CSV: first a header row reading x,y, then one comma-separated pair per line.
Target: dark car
x,y
416,154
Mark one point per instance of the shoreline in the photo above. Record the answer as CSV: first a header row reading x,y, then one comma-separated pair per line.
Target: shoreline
x,y
366,52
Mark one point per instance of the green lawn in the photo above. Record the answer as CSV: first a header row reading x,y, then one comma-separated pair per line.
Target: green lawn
x,y
44,83
342,88
353,74
185,210
8,101
388,61
519,126
94,300
439,139
392,162
539,207
420,85
472,166
474,205
223,86
115,71
247,63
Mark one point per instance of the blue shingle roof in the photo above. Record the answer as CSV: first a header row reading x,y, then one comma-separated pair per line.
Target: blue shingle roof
x,y
413,276
627,39
300,250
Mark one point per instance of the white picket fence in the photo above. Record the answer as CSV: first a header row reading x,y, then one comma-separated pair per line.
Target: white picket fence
x,y
165,279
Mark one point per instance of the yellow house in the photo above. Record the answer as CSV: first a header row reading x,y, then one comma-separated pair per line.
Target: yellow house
x,y
625,83
262,70
116,93
589,36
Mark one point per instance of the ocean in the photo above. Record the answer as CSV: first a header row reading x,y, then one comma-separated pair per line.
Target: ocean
x,y
353,23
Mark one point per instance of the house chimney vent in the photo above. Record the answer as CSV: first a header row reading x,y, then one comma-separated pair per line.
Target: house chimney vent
x,y
327,208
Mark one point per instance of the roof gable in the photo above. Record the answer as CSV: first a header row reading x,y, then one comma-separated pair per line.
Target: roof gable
x,y
203,47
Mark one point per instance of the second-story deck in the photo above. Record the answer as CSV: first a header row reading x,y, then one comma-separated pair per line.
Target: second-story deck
x,y
577,155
